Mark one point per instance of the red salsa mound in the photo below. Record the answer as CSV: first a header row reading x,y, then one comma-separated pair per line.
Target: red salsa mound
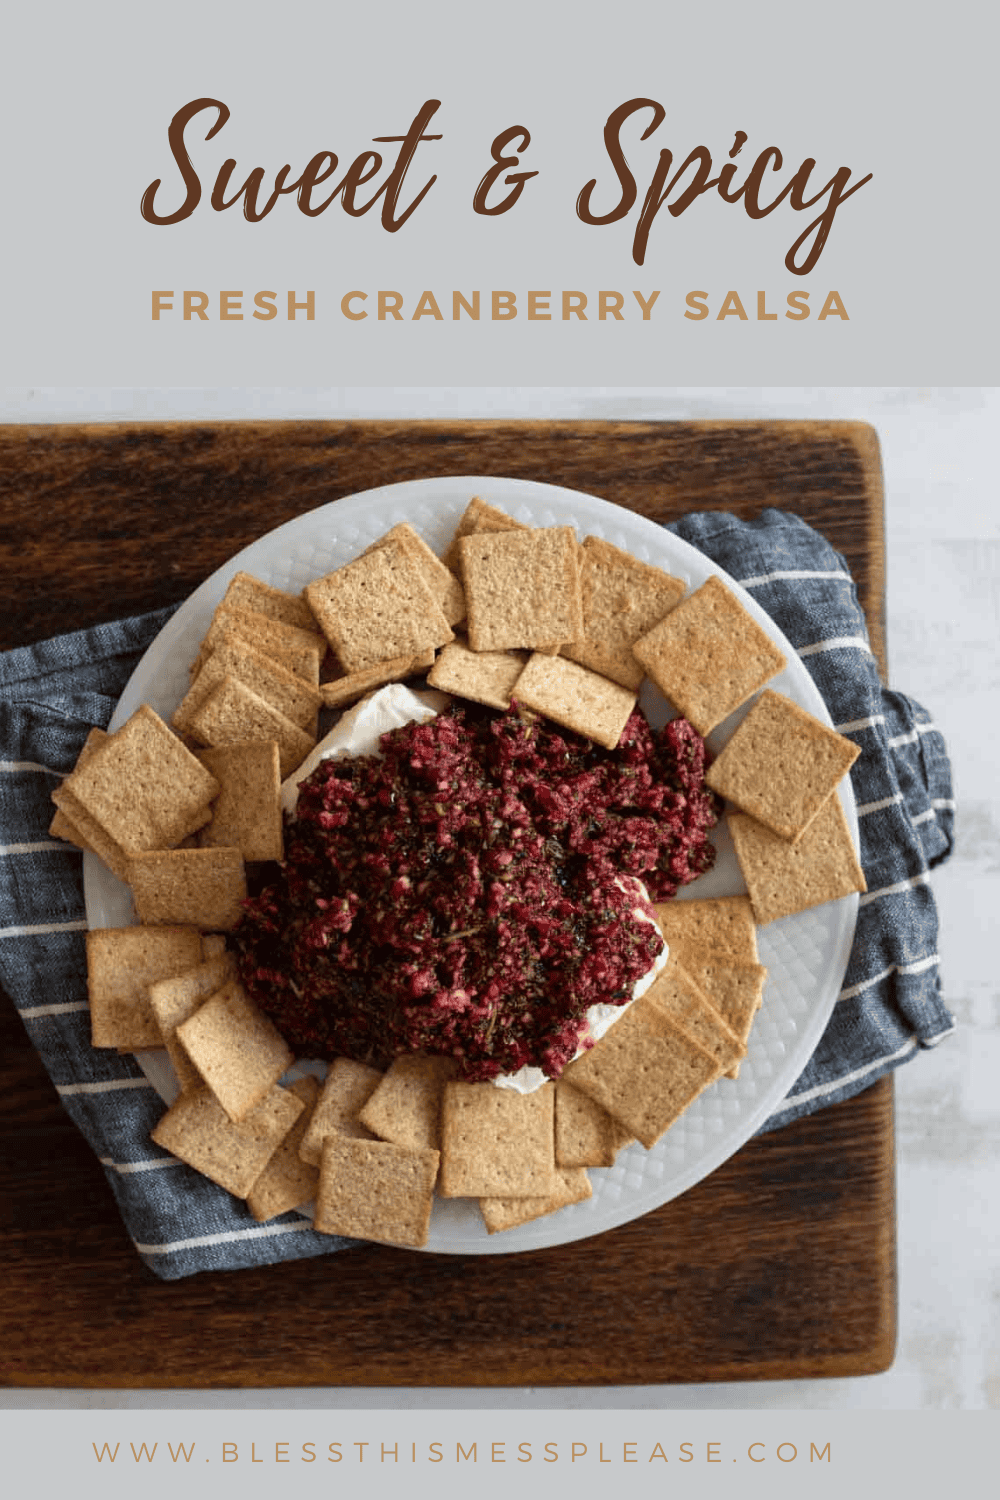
x,y
468,893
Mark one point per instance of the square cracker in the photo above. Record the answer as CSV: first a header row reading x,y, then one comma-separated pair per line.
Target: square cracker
x,y
338,692
721,925
143,786
441,581
709,655
233,1154
781,764
201,887
173,1000
496,1143
122,962
586,1135
522,588
233,713
645,1071
246,814
301,651
375,1190
237,1050
406,1104
622,599
348,1087
735,990
376,607
575,697
681,998
287,1181
247,592
783,878
62,826
86,832
477,517
483,676
292,696
507,1213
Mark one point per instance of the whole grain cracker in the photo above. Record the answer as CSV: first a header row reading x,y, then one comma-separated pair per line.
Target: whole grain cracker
x,y
202,887
507,1213
173,1000
681,998
122,962
347,1088
720,925
287,1181
375,1190
143,786
522,588
478,517
341,691
238,1051
622,600
292,696
301,651
780,764
233,713
405,1106
783,878
496,1143
62,826
197,1130
247,592
586,1135
646,1071
735,990
377,607
709,655
88,833
246,814
575,697
483,676
441,581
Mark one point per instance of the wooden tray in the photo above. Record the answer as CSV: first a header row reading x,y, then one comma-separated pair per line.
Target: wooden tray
x,y
780,1265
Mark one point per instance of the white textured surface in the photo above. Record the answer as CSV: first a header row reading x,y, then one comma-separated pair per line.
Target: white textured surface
x,y
943,542
806,954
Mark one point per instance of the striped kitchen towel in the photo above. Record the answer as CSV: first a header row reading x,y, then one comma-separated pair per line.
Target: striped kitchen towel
x,y
890,1006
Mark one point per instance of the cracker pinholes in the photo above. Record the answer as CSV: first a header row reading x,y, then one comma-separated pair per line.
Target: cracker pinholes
x,y
287,1181
348,1087
622,599
586,1135
735,990
406,1104
496,1143
173,1000
679,997
203,887
575,697
377,607
247,592
233,712
246,815
522,588
709,655
238,1052
439,579
781,764
645,1071
573,1186
375,1190
783,878
721,925
478,516
231,1153
122,962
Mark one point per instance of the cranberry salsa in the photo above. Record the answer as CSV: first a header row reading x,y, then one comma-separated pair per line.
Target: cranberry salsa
x,y
475,889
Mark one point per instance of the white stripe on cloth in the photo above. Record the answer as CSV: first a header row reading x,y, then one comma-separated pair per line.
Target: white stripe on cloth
x,y
32,1012
898,889
872,722
945,804
911,736
864,808
837,643
822,1089
43,929
127,1168
919,966
924,817
12,766
201,1240
795,573
39,848
108,1087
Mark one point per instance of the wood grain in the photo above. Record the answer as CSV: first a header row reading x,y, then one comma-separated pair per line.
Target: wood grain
x,y
780,1265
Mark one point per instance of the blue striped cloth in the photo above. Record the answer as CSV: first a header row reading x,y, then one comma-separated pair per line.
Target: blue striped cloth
x,y
52,694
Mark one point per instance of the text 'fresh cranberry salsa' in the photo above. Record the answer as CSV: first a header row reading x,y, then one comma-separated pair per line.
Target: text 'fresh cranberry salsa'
x,y
468,893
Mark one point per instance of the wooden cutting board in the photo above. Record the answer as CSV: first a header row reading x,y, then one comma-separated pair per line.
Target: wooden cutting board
x,y
779,1265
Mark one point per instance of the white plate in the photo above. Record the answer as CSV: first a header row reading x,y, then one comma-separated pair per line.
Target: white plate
x,y
806,955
